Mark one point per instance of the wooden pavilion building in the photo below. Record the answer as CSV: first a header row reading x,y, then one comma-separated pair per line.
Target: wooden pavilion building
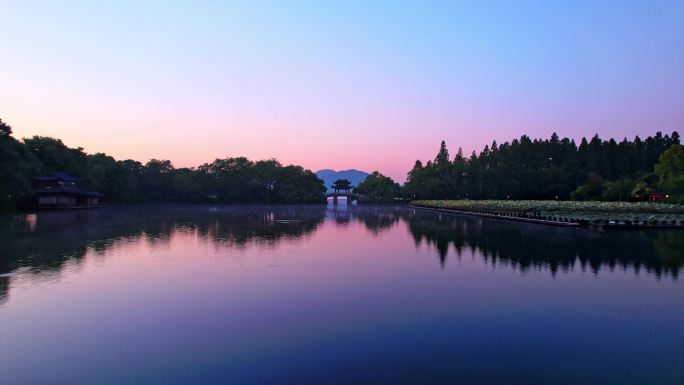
x,y
342,188
61,191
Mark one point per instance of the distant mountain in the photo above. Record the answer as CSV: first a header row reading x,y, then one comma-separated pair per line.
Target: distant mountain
x,y
330,176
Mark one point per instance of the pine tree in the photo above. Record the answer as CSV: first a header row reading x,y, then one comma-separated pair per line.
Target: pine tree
x,y
442,157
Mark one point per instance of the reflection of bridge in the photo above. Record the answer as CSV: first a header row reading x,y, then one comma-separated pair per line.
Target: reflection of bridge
x,y
342,188
342,214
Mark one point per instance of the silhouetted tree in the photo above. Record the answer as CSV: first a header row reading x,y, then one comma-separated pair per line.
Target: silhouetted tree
x,y
442,156
17,164
379,188
5,129
670,171
554,168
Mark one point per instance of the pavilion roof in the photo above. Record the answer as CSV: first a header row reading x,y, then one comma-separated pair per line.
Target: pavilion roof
x,y
56,176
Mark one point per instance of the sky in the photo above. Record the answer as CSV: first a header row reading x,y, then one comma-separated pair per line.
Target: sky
x,y
372,85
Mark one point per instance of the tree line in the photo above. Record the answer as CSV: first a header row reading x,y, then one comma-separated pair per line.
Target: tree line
x,y
524,168
229,180
554,168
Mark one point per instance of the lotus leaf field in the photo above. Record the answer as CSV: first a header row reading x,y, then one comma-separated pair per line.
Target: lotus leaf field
x,y
589,210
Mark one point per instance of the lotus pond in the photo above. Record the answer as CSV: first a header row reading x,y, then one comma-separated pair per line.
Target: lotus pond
x,y
571,209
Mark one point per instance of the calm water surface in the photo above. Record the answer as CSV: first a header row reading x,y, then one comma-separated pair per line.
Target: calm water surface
x,y
312,295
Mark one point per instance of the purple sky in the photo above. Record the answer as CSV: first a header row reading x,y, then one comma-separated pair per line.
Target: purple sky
x,y
367,85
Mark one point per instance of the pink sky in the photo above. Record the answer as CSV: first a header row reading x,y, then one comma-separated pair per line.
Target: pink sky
x,y
372,87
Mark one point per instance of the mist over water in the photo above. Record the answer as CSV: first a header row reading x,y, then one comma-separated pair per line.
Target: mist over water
x,y
316,294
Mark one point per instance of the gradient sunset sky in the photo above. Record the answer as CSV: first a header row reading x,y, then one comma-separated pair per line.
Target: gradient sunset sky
x,y
336,84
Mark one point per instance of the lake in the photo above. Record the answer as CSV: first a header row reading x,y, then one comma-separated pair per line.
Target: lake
x,y
318,295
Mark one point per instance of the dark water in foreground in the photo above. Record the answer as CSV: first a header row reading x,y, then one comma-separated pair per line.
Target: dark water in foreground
x,y
309,295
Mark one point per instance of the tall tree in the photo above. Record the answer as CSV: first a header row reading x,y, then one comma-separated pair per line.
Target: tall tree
x,y
442,157
670,171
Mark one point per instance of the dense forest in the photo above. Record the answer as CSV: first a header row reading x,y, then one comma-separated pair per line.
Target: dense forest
x,y
230,180
554,169
379,188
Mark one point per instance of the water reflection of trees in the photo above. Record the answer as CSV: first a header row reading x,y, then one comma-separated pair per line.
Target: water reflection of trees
x,y
4,289
527,246
45,243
